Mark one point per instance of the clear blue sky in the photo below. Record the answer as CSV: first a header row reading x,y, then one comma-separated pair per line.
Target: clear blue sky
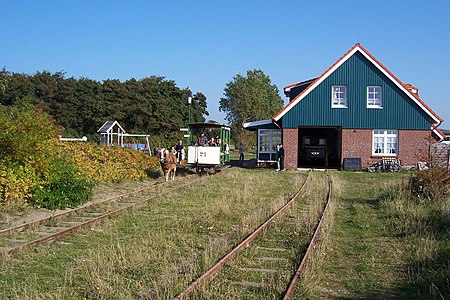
x,y
203,44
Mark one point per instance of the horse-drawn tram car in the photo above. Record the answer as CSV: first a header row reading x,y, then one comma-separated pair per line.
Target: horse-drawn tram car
x,y
208,146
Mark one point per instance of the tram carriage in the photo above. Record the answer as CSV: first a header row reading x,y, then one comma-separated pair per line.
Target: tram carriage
x,y
207,157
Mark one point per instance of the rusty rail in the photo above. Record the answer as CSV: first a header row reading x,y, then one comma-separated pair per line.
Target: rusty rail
x,y
295,279
82,224
74,210
243,244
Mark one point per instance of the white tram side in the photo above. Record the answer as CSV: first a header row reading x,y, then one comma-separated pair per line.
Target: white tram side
x,y
202,157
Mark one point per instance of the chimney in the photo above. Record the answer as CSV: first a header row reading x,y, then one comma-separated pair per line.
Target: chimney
x,y
412,89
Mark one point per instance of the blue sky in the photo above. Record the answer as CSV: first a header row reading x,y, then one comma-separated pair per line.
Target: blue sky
x,y
203,44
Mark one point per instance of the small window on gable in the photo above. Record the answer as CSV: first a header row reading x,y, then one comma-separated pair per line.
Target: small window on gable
x,y
339,96
374,97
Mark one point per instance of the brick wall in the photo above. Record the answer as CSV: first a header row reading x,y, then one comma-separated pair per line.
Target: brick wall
x,y
290,144
413,145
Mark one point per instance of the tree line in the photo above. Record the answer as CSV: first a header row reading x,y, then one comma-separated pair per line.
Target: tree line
x,y
152,105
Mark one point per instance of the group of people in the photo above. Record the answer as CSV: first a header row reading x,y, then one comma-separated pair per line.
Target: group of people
x,y
203,140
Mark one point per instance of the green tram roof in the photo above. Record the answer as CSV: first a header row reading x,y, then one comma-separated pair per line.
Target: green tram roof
x,y
208,125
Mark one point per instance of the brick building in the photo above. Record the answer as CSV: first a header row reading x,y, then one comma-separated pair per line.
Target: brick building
x,y
356,109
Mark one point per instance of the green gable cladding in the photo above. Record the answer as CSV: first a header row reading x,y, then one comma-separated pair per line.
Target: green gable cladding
x,y
398,112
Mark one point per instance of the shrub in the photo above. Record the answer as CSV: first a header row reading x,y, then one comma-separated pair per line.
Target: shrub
x,y
432,184
111,164
64,188
28,137
17,183
37,168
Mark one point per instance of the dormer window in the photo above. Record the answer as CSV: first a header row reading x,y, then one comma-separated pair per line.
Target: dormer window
x,y
339,96
374,97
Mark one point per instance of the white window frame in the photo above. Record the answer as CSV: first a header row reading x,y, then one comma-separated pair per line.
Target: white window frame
x,y
271,147
339,97
374,96
384,142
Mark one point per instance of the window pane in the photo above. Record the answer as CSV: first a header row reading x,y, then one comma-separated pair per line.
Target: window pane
x,y
339,95
374,96
385,142
264,143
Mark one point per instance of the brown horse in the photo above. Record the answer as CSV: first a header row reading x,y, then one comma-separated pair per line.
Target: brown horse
x,y
168,164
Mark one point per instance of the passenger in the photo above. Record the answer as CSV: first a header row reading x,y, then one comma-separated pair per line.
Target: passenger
x,y
179,147
212,142
218,141
202,140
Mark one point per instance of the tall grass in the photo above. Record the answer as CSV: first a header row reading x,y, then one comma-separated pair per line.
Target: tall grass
x,y
424,224
155,251
382,241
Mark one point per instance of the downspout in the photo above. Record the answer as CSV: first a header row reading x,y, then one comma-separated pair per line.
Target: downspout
x,y
435,127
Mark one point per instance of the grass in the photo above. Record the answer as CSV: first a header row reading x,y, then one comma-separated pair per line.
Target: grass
x,y
289,235
154,251
381,243
378,242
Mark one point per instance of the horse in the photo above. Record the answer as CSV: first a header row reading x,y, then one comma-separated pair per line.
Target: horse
x,y
168,164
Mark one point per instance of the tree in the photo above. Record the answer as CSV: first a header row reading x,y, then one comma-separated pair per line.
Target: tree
x,y
249,98
152,105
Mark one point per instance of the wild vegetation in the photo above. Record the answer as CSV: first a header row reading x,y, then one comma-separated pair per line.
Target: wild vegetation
x,y
381,241
36,168
388,237
153,252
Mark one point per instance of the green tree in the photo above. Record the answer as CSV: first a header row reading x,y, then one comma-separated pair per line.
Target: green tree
x,y
249,98
152,105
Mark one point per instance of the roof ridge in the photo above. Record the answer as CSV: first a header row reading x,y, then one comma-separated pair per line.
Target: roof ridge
x,y
363,50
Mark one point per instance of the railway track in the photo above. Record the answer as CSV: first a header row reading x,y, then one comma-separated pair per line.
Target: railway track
x,y
268,263
59,225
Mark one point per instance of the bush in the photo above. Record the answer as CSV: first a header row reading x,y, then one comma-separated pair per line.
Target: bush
x,y
27,137
432,184
65,187
17,183
35,167
110,164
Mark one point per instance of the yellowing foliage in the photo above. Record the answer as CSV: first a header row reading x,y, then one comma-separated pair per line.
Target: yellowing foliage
x,y
103,163
35,167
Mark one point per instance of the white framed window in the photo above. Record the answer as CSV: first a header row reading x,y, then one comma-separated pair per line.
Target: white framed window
x,y
339,96
385,142
374,97
268,139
